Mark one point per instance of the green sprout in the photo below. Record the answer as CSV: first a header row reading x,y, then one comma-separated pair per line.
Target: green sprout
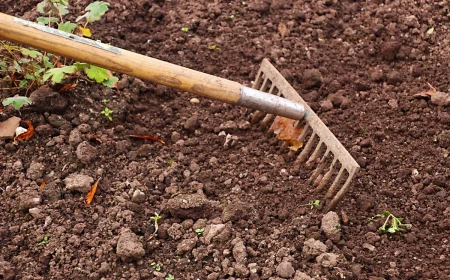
x,y
17,101
107,112
312,204
156,266
169,277
214,48
170,162
199,231
105,101
185,29
44,241
231,17
392,224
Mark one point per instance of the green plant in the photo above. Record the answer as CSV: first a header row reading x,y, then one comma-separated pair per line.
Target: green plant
x,y
105,101
199,231
185,29
312,204
392,224
30,68
170,162
156,266
17,101
231,17
107,112
44,240
214,48
169,277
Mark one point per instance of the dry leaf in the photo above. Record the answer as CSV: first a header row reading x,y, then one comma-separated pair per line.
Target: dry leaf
x,y
427,93
27,134
85,32
284,31
67,87
116,85
153,138
46,179
285,130
91,193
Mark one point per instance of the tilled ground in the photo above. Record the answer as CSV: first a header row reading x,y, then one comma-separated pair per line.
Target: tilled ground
x,y
237,211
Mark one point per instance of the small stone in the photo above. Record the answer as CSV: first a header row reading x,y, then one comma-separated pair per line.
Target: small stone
x,y
192,123
440,98
194,100
86,153
240,252
285,269
327,260
368,246
444,139
312,79
8,128
104,268
78,182
56,121
186,245
36,213
75,137
228,126
35,171
193,206
326,105
331,226
212,231
138,196
393,103
28,200
244,125
312,248
128,246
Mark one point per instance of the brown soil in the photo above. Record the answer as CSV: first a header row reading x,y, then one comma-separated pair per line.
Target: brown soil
x,y
377,54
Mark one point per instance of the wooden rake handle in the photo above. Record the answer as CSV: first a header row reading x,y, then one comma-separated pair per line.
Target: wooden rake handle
x,y
147,68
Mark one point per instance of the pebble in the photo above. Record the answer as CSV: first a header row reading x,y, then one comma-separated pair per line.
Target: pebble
x,y
330,225
86,153
194,100
138,196
312,78
192,123
326,105
79,182
35,171
36,213
285,269
8,128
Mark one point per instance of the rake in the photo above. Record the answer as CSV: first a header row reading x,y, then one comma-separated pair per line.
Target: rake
x,y
271,96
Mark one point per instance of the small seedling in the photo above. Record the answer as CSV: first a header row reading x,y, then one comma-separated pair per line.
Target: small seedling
x,y
107,112
312,204
156,266
44,241
185,29
214,48
199,231
169,277
392,224
170,162
155,219
231,17
17,102
105,101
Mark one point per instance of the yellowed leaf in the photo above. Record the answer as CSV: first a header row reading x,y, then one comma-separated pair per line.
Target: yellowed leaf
x,y
85,32
284,31
286,131
91,193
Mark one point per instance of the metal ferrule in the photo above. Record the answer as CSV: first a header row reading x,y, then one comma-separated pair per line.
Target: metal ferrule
x,y
271,104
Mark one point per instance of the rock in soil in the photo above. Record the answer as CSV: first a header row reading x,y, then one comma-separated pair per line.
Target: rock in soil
x,y
331,226
193,206
79,182
8,128
327,260
312,79
285,269
46,100
186,245
312,248
240,252
301,276
86,153
128,247
35,170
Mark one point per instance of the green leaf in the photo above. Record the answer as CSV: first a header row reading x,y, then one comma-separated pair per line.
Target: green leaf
x,y
430,31
95,11
23,83
185,29
30,53
17,101
67,26
97,73
48,63
62,9
41,7
3,65
110,82
58,74
81,65
17,66
46,20
30,77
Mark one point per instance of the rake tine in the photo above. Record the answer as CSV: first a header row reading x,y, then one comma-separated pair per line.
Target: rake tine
x,y
326,177
340,194
315,154
335,184
319,168
302,157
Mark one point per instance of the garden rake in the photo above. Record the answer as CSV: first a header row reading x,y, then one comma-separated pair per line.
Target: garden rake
x,y
271,95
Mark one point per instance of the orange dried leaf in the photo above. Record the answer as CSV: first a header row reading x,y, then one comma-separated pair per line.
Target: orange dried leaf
x,y
286,131
27,134
41,187
427,93
91,193
153,138
67,87
46,178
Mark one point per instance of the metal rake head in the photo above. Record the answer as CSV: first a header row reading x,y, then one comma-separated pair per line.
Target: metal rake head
x,y
320,147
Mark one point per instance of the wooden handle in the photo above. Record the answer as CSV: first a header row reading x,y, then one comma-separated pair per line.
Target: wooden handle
x,y
119,60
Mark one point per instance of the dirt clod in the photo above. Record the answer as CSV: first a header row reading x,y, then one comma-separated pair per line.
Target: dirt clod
x,y
285,269
128,246
86,153
46,100
331,226
79,182
193,206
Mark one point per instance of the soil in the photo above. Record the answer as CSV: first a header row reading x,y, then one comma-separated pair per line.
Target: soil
x,y
237,211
